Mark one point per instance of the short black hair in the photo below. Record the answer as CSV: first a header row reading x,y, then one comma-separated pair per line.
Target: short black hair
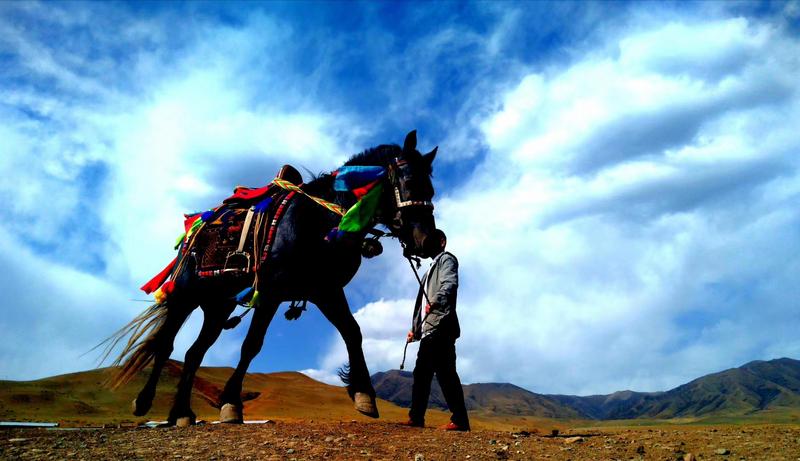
x,y
439,234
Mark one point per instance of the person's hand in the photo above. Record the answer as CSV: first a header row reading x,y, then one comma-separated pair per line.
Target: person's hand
x,y
410,337
428,308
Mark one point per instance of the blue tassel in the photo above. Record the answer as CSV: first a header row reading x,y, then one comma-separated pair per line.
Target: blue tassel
x,y
263,205
244,296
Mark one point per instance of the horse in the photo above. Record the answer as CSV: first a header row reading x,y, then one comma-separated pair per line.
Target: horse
x,y
306,257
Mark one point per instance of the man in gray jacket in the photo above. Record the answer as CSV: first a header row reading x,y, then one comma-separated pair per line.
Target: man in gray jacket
x,y
435,325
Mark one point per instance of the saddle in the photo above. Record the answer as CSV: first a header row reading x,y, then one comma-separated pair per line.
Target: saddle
x,y
249,194
236,235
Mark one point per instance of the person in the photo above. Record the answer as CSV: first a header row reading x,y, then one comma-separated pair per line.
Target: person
x,y
435,325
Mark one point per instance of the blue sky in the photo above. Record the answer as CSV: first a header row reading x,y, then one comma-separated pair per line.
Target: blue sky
x,y
618,180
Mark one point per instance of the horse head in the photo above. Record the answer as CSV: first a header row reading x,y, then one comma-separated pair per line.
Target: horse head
x,y
410,198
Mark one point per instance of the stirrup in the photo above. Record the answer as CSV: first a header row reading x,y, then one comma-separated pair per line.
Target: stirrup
x,y
236,266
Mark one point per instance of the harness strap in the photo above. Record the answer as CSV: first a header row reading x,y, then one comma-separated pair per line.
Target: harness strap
x,y
246,228
286,185
274,225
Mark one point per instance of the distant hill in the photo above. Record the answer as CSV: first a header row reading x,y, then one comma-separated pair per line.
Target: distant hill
x,y
80,398
493,399
754,388
761,389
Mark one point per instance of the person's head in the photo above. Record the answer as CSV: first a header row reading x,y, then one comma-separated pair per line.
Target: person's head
x,y
438,242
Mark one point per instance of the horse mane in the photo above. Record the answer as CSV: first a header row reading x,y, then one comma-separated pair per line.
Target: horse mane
x,y
321,185
380,155
383,155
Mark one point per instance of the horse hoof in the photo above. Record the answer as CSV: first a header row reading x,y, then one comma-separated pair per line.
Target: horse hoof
x,y
365,404
231,414
139,410
185,421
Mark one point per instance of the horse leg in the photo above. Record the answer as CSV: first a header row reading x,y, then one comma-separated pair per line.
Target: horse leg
x,y
231,399
214,316
333,306
177,313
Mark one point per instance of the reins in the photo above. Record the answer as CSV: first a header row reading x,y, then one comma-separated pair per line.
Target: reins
x,y
424,293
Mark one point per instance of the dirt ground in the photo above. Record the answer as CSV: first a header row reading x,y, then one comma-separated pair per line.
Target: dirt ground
x,y
357,440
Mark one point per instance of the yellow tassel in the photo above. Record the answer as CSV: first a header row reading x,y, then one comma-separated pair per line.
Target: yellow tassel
x,y
160,296
254,301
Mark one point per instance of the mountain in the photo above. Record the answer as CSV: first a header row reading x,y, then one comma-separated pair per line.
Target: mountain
x,y
81,399
754,388
761,389
488,399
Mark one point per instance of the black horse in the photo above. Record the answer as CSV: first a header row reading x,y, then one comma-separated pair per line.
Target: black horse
x,y
303,263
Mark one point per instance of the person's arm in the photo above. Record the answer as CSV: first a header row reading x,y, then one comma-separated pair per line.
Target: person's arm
x,y
448,283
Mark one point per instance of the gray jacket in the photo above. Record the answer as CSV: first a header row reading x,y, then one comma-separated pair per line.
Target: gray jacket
x,y
441,285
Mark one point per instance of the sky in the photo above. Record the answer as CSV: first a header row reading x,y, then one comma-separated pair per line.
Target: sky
x,y
619,180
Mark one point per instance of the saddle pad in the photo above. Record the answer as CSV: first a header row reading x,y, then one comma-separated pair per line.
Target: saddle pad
x,y
220,238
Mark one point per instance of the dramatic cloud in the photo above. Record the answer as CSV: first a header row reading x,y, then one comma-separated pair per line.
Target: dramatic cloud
x,y
633,224
97,175
619,182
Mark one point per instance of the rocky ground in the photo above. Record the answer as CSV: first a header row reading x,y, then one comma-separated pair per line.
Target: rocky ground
x,y
357,440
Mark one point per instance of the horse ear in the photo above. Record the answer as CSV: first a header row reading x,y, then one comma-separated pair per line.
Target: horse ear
x,y
410,144
431,155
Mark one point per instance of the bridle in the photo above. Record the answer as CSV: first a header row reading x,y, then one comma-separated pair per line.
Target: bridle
x,y
400,165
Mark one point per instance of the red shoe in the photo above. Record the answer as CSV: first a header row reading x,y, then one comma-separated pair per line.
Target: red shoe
x,y
411,423
451,426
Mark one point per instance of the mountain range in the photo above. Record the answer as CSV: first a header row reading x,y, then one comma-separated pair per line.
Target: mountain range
x,y
762,390
756,388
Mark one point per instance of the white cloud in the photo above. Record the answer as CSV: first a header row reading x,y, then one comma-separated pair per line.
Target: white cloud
x,y
384,325
632,206
619,223
630,219
99,168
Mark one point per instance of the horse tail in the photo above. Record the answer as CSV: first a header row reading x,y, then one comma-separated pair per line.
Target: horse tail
x,y
144,341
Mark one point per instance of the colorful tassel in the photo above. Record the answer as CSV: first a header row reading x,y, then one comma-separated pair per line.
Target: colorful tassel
x,y
179,241
255,300
263,205
160,296
168,287
159,279
244,296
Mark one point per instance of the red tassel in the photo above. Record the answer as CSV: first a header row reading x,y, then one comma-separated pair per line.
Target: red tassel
x,y
168,287
159,279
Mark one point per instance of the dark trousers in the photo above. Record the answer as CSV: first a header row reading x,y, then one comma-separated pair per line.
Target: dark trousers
x,y
437,355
